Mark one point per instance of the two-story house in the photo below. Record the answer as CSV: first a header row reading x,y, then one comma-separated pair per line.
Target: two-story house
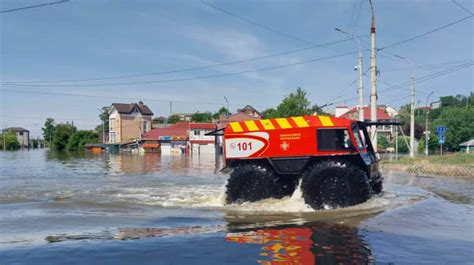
x,y
127,122
22,135
199,142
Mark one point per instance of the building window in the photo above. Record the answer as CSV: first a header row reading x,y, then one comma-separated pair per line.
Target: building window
x,y
196,132
144,126
21,133
112,124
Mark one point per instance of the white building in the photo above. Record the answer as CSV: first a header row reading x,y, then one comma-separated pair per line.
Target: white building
x,y
199,142
22,135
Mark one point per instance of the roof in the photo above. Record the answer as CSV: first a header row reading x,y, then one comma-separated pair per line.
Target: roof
x,y
287,123
468,143
223,122
127,108
381,113
248,108
16,129
202,126
179,129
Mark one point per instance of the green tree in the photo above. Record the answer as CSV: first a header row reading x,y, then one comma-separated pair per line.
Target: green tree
x,y
62,133
201,117
460,125
34,142
77,141
402,144
270,113
104,121
173,119
382,141
433,143
221,111
48,130
10,140
295,104
404,115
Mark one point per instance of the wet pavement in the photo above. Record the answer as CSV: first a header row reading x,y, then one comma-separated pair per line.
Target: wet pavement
x,y
151,209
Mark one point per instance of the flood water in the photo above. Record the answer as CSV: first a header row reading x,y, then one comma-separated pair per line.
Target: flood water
x,y
150,209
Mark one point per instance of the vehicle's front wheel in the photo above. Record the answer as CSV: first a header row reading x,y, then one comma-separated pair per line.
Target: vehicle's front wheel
x,y
251,182
334,185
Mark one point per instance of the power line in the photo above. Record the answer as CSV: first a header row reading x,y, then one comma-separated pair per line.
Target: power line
x,y
187,69
28,7
429,77
192,78
114,97
407,83
426,33
286,35
462,7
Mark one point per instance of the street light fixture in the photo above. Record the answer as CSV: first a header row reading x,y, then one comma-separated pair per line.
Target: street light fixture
x,y
227,101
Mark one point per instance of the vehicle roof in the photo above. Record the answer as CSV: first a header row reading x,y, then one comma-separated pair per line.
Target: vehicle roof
x,y
287,123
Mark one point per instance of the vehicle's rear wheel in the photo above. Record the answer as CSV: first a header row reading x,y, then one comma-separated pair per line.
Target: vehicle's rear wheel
x,y
251,182
335,184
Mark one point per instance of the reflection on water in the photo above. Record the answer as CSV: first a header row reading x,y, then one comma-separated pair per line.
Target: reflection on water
x,y
126,163
318,243
177,204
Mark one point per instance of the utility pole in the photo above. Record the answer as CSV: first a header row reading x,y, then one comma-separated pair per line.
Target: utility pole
x,y
171,108
361,87
427,131
412,117
412,106
360,70
373,79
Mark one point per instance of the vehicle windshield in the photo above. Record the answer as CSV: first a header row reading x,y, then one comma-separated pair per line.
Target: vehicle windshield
x,y
358,136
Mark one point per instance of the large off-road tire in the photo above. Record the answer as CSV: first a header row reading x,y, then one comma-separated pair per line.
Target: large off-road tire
x,y
251,182
334,185
377,187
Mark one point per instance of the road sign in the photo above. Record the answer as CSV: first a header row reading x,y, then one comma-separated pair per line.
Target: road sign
x,y
441,130
441,139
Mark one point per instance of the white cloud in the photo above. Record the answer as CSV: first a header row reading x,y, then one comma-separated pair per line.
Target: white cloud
x,y
231,44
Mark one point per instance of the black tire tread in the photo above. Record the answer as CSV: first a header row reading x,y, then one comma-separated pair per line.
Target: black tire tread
x,y
359,185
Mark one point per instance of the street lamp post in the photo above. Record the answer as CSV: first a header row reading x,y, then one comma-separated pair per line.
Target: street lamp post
x,y
227,101
412,106
360,72
427,131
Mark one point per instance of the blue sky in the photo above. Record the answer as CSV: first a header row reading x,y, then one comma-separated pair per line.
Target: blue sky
x,y
84,39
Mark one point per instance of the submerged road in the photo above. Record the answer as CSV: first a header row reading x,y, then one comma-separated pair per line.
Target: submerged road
x,y
151,209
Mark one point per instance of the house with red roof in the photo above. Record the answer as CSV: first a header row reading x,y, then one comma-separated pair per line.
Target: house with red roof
x,y
384,114
171,139
180,138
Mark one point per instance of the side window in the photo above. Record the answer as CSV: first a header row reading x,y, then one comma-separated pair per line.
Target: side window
x,y
358,137
334,140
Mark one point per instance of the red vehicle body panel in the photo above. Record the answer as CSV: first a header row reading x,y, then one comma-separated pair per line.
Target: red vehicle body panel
x,y
282,137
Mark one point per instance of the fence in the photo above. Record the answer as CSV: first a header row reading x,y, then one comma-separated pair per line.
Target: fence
x,y
428,169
